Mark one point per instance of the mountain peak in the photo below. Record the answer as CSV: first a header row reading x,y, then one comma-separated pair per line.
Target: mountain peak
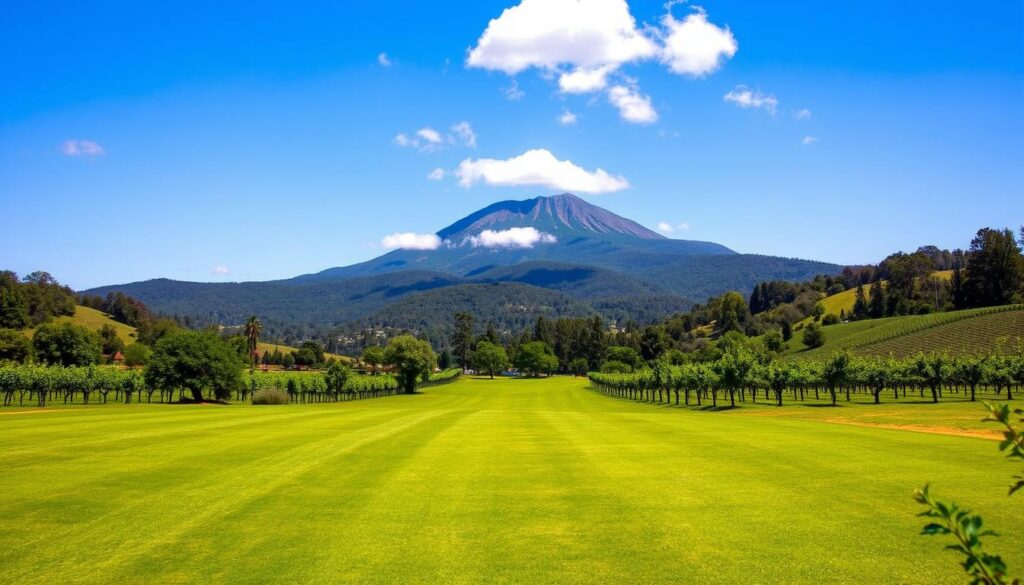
x,y
561,215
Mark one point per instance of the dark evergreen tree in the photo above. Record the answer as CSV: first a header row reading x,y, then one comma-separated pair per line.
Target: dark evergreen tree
x,y
462,340
860,305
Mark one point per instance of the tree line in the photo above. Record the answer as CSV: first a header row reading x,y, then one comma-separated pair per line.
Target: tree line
x,y
743,374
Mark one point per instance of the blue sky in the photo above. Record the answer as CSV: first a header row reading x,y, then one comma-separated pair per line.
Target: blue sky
x,y
203,143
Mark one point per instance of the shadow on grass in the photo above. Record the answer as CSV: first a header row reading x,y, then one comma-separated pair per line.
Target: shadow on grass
x,y
709,408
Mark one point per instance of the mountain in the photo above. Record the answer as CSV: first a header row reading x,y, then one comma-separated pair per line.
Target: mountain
x,y
560,254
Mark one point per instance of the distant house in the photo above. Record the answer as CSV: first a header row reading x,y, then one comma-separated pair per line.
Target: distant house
x,y
118,358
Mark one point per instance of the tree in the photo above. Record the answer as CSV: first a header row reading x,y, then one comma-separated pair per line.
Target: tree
x,y
787,330
774,342
253,330
315,350
490,357
137,354
876,306
813,336
819,311
995,268
412,358
373,356
462,339
733,313
110,343
625,355
13,304
579,367
860,305
288,360
66,345
653,342
14,346
536,357
198,362
836,373
336,376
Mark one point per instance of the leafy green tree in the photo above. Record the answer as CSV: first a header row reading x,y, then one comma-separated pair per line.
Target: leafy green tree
x,y
774,342
653,342
462,339
787,330
66,344
252,331
860,304
836,373
14,346
315,350
535,358
819,311
813,336
13,304
373,356
490,357
876,305
137,354
198,362
150,332
733,313
413,360
616,367
579,367
995,268
288,360
110,343
625,355
336,376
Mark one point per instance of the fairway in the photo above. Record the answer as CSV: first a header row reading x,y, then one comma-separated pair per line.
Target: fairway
x,y
481,481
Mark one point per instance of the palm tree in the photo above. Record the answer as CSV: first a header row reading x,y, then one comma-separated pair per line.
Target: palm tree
x,y
253,329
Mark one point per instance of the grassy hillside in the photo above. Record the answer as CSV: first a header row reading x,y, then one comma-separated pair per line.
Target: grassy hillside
x,y
905,335
481,481
94,320
844,301
271,347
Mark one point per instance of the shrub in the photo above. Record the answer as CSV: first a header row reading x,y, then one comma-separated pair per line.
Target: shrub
x,y
830,319
270,396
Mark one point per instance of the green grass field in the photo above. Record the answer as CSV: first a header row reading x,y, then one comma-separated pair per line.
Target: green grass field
x,y
504,481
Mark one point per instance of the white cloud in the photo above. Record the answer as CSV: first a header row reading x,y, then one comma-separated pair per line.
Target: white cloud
x,y
567,118
584,80
807,140
81,148
464,132
802,114
519,237
633,106
585,43
684,226
219,270
538,167
548,33
383,60
693,46
429,135
512,92
664,226
427,139
744,97
436,174
411,241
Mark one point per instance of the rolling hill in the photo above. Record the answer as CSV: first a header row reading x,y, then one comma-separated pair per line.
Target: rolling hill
x,y
972,330
94,320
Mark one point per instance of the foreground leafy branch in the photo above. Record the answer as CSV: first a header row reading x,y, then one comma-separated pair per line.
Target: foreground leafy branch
x,y
950,519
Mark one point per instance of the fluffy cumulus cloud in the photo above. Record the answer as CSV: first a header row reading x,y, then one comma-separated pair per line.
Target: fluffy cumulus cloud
x,y
383,60
81,148
664,226
550,33
745,97
519,237
633,106
429,135
695,47
538,167
567,118
585,43
411,241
